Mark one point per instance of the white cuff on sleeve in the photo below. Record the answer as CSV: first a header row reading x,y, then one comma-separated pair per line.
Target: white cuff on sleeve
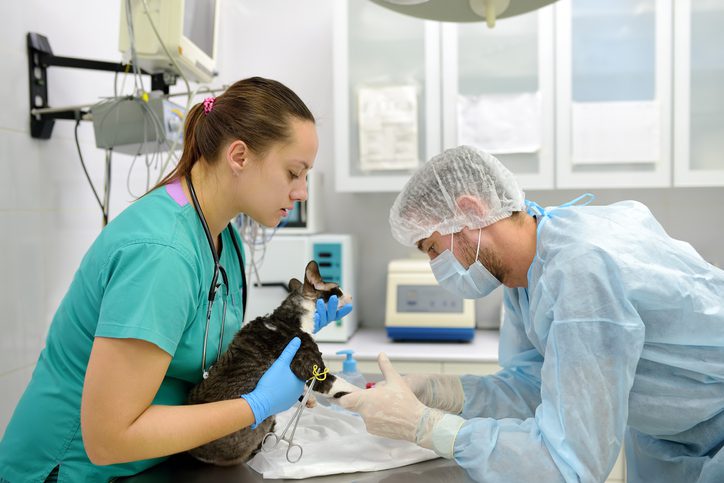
x,y
444,434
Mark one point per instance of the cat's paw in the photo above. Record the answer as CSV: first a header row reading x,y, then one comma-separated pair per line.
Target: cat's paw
x,y
340,388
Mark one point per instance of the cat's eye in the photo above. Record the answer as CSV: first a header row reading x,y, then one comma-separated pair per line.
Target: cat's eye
x,y
293,175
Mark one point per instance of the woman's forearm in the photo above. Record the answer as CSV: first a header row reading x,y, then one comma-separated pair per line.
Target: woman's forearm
x,y
165,430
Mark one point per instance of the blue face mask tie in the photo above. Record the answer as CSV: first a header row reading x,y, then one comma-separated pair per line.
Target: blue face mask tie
x,y
473,283
534,209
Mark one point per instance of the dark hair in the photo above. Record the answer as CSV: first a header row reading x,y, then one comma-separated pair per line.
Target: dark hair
x,y
255,110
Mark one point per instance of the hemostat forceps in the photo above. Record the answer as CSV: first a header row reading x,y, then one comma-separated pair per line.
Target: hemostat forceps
x,y
271,440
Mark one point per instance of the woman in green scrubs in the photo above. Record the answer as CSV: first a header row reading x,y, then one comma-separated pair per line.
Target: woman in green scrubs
x,y
107,395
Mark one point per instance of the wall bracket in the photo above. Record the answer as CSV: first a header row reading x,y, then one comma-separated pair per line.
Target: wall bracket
x,y
40,57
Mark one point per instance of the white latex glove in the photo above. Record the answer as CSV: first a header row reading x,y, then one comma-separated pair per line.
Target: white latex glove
x,y
439,391
391,409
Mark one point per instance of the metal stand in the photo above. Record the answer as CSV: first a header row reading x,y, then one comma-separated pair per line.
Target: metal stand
x,y
40,57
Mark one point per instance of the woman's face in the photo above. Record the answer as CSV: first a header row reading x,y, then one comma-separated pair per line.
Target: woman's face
x,y
279,178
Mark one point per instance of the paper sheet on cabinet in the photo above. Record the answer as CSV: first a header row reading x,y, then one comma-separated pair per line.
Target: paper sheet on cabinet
x,y
387,127
334,441
501,124
615,132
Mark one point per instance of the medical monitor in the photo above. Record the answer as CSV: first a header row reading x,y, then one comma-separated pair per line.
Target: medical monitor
x,y
188,28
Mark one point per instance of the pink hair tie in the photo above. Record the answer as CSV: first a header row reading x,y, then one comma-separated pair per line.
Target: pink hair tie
x,y
209,105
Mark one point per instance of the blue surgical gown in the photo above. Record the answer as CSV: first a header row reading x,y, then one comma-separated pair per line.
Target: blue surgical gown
x,y
619,335
147,277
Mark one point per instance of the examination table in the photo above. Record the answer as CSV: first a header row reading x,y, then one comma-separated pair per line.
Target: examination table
x,y
183,469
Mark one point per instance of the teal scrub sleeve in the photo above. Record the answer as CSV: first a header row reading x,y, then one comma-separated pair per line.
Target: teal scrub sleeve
x,y
592,349
151,293
514,391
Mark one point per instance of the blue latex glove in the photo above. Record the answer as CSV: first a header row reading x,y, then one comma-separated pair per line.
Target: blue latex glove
x,y
328,313
278,389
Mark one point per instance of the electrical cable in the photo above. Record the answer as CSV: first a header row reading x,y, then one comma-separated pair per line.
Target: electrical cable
x,y
155,158
172,149
82,163
165,49
137,80
255,238
107,187
191,94
115,79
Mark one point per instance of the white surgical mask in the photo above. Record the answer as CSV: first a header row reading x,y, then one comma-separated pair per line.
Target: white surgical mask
x,y
473,283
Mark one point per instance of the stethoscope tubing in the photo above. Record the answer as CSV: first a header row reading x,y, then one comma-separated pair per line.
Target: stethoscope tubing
x,y
218,268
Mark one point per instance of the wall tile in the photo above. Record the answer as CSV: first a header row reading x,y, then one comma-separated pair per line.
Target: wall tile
x,y
25,183
14,98
23,287
7,182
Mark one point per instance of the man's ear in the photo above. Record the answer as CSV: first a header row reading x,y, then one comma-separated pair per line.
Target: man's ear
x,y
470,205
237,155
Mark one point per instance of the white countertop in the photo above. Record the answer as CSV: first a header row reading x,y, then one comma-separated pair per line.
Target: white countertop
x,y
367,343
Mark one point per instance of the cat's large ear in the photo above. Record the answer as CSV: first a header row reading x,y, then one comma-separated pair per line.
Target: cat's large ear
x,y
295,285
311,277
313,282
311,273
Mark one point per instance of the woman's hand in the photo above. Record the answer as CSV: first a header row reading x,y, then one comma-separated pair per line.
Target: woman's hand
x,y
120,423
329,312
278,389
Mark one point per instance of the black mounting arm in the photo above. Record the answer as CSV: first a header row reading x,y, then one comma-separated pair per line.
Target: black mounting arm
x,y
40,57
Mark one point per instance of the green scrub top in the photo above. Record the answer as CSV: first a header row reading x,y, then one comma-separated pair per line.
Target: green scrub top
x,y
146,276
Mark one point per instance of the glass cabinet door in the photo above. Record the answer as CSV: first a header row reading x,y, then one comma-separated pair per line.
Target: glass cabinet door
x,y
498,92
699,93
386,94
613,93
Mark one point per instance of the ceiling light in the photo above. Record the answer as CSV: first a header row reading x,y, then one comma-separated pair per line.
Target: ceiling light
x,y
463,10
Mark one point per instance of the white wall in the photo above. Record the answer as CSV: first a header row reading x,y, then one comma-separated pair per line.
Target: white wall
x,y
48,216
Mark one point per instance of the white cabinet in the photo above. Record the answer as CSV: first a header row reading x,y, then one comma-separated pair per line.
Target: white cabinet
x,y
613,93
387,95
581,94
699,93
498,92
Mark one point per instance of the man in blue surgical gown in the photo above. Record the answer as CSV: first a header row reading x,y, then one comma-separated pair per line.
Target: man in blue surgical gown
x,y
613,334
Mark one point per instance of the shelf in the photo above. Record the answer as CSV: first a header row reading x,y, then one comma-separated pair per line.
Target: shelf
x,y
368,343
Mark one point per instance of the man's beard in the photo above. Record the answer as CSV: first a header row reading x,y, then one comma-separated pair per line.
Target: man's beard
x,y
487,257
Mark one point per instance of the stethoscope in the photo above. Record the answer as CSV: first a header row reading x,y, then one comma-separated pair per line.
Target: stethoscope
x,y
214,285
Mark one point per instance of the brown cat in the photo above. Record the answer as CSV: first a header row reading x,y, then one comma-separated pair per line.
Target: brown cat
x,y
253,350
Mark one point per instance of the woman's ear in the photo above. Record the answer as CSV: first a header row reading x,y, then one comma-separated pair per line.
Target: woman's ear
x,y
237,155
470,205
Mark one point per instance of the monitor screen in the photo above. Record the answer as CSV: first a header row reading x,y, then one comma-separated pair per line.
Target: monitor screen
x,y
199,24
